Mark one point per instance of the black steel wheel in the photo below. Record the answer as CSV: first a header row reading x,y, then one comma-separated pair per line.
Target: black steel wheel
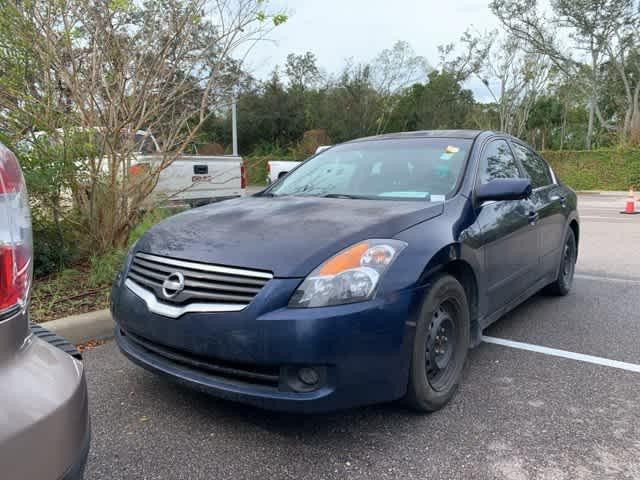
x,y
567,268
440,345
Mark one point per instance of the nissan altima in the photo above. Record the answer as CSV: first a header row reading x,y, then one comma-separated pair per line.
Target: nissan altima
x,y
362,276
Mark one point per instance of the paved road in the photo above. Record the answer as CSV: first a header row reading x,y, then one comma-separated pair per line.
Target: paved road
x,y
518,415
611,241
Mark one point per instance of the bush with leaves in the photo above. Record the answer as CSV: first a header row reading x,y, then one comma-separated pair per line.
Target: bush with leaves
x,y
118,67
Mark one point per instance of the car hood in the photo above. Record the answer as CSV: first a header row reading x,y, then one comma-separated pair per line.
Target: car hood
x,y
288,236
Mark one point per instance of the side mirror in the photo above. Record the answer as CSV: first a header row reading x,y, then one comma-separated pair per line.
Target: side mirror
x,y
504,189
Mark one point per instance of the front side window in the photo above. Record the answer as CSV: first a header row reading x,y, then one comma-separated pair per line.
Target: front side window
x,y
498,162
406,169
536,168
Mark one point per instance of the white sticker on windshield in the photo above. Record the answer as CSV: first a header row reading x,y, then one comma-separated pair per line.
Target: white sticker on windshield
x,y
437,198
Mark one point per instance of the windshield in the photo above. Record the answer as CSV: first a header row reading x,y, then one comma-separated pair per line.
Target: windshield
x,y
412,169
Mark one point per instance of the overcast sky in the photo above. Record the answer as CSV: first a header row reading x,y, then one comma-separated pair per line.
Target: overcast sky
x,y
338,29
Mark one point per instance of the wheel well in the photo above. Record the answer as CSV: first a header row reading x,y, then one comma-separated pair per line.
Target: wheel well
x,y
463,272
576,232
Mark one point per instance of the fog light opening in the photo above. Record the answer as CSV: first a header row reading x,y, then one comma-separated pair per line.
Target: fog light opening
x,y
309,376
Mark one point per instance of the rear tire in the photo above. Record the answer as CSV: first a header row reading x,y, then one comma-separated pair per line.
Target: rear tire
x,y
55,340
566,270
440,346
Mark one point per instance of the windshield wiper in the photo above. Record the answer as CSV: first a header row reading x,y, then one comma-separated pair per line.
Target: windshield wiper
x,y
340,195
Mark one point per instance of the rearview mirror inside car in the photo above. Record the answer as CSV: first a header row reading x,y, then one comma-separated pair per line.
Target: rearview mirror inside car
x,y
504,189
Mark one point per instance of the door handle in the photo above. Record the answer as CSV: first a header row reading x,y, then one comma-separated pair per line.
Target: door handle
x,y
533,217
559,198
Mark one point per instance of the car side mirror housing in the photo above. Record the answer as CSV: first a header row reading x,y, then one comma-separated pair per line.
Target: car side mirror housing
x,y
504,189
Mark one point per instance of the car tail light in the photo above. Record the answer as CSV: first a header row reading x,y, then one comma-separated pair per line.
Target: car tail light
x,y
16,252
135,169
243,178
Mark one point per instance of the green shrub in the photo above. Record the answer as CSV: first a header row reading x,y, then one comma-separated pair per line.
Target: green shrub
x,y
104,268
50,252
149,219
603,169
54,244
255,169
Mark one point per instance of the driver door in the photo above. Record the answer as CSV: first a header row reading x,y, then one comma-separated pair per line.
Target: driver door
x,y
509,235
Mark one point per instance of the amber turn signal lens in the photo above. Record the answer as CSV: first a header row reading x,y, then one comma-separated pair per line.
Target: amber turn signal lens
x,y
344,261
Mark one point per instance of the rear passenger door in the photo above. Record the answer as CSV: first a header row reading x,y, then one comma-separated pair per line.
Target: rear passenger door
x,y
550,206
508,240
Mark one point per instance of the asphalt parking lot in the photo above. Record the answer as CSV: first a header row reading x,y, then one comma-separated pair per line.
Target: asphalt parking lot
x,y
519,414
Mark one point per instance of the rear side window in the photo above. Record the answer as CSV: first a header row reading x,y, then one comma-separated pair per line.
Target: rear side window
x,y
536,168
498,162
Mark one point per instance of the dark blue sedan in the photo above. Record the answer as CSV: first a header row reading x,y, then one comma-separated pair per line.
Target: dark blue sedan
x,y
362,276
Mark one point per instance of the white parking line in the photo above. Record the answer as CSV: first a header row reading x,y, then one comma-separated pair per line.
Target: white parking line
x,y
610,219
630,367
607,279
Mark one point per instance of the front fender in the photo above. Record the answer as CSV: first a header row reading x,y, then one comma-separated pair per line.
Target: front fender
x,y
436,243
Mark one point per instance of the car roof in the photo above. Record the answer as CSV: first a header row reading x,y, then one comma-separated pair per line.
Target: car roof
x,y
463,134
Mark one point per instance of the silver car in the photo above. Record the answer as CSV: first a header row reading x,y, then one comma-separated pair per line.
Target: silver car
x,y
44,420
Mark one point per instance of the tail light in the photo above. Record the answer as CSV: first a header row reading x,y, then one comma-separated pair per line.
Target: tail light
x,y
243,178
16,250
135,170
139,169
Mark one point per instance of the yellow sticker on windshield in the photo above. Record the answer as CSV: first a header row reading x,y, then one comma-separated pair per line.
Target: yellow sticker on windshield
x,y
451,149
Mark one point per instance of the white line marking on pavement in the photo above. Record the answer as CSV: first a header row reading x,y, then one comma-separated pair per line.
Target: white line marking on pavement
x,y
615,219
630,367
607,279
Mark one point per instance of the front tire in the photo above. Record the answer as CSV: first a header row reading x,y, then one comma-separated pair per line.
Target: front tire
x,y
563,283
440,345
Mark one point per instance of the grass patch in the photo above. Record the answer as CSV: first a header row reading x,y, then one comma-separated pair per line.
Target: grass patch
x,y
66,293
104,268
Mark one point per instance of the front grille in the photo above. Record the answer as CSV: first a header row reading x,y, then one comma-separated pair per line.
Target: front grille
x,y
203,283
263,376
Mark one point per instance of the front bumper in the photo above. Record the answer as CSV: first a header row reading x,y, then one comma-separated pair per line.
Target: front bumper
x,y
362,350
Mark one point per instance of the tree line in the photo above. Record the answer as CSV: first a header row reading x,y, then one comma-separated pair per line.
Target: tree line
x,y
561,76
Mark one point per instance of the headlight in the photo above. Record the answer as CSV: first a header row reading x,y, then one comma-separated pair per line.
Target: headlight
x,y
350,276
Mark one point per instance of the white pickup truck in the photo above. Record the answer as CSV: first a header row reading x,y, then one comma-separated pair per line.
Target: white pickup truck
x,y
279,168
197,179
192,179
